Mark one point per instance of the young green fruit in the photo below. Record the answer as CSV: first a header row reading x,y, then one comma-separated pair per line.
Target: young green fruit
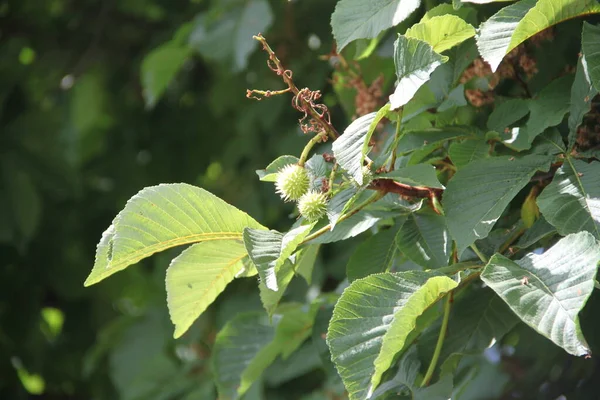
x,y
313,205
292,182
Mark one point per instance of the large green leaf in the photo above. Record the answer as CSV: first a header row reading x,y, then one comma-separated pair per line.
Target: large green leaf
x,y
494,35
358,19
516,23
415,61
374,255
507,113
571,202
547,291
441,32
407,378
478,194
159,67
590,47
197,276
268,250
415,140
467,151
372,320
352,146
547,109
249,343
478,317
424,238
582,93
415,175
161,217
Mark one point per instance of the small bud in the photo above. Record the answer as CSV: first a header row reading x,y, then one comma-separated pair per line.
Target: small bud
x,y
312,205
292,182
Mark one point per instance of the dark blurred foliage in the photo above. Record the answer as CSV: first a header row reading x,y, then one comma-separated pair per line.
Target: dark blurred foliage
x,y
100,98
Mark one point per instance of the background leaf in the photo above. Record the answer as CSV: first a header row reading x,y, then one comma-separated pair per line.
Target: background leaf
x,y
462,153
582,93
547,291
159,67
374,255
414,175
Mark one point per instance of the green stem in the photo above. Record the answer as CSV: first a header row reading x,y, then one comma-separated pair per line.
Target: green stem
x,y
440,341
481,256
327,228
396,140
316,139
332,177
458,267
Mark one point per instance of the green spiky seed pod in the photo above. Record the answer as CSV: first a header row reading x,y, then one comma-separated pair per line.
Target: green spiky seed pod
x,y
313,205
292,182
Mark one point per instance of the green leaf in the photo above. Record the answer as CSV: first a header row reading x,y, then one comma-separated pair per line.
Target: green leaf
x,y
228,39
269,174
415,61
424,238
548,291
590,47
507,113
161,217
478,194
571,202
249,343
350,227
352,146
540,229
372,320
159,67
512,25
465,152
478,317
494,35
268,250
415,175
340,203
407,377
582,93
357,19
547,109
415,140
441,32
197,276
374,255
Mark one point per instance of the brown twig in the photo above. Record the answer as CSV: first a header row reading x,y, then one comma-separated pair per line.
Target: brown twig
x,y
304,100
390,186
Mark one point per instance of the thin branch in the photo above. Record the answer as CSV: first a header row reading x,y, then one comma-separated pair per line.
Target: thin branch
x,y
304,99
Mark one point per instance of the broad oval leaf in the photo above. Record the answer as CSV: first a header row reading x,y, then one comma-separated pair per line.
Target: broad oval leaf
x,y
269,174
161,217
197,276
582,93
463,153
415,61
352,146
374,255
514,24
358,19
415,175
571,202
590,47
547,291
478,194
372,320
424,238
441,32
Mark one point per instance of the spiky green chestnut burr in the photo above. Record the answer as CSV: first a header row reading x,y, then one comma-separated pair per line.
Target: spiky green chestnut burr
x,y
313,205
292,182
